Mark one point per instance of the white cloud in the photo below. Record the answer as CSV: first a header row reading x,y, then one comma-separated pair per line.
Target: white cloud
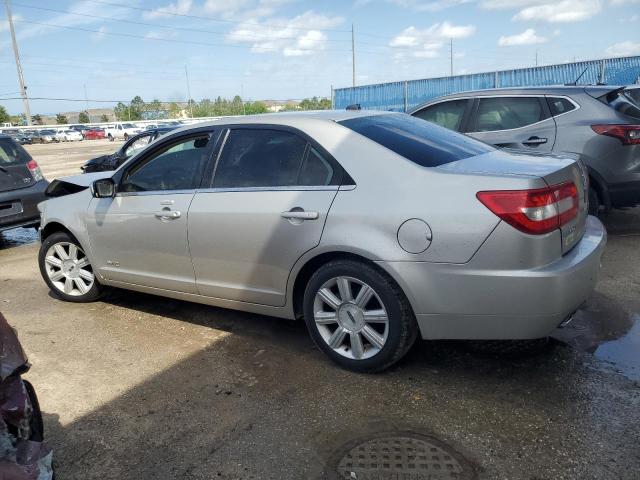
x,y
624,49
427,43
528,37
293,37
562,11
179,7
100,34
624,2
426,5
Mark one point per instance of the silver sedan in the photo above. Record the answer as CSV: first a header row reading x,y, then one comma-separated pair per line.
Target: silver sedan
x,y
373,227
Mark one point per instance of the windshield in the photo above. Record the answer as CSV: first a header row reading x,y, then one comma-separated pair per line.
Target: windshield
x,y
421,142
11,153
128,125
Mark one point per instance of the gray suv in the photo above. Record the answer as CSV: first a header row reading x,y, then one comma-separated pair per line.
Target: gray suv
x,y
598,124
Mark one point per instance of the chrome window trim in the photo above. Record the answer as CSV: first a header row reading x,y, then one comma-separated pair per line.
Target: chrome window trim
x,y
154,192
535,95
291,188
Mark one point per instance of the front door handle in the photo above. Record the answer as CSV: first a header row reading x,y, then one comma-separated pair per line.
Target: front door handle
x,y
300,215
168,214
535,141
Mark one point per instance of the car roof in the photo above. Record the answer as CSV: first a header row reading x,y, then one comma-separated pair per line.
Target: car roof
x,y
593,90
289,118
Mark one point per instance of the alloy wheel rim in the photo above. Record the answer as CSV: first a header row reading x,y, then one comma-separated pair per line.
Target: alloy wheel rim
x,y
69,269
351,318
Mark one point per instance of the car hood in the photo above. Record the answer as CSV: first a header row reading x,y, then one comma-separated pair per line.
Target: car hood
x,y
98,160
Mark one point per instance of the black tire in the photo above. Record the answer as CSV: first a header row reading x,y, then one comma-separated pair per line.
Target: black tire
x,y
36,424
403,328
126,137
594,202
96,290
110,137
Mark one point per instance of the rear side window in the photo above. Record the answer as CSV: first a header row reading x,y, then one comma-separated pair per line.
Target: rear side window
x,y
506,113
421,142
446,114
12,154
559,105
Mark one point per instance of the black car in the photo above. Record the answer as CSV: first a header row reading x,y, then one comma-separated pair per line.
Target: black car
x,y
21,138
128,150
22,186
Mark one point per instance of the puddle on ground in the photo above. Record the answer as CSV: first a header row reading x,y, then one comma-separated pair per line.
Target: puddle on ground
x,y
607,331
624,353
17,236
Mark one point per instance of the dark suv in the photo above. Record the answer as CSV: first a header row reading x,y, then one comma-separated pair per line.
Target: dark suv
x,y
22,186
598,124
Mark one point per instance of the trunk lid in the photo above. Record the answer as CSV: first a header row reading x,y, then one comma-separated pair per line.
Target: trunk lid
x,y
553,169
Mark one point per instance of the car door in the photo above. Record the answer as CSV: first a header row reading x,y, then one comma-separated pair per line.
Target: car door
x,y
264,208
518,122
140,236
451,114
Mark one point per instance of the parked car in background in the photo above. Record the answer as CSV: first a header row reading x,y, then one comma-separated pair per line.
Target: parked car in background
x,y
22,186
43,136
20,137
374,227
124,153
121,131
79,128
94,133
67,135
600,125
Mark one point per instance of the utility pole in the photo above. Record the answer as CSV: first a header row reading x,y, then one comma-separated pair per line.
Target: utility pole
x,y
451,56
353,55
86,100
536,57
23,88
186,73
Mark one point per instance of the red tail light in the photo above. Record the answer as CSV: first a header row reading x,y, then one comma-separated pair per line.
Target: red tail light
x,y
627,134
536,211
35,171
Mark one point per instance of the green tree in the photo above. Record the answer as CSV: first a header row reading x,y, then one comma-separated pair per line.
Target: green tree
x,y
255,107
61,119
83,117
36,119
175,111
4,116
315,103
104,118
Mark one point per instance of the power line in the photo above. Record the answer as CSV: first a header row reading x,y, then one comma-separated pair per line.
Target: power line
x,y
173,27
172,40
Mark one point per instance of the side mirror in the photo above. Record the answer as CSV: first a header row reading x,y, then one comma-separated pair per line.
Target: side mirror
x,y
104,188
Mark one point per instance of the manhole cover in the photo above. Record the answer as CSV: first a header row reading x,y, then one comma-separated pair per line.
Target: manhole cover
x,y
404,456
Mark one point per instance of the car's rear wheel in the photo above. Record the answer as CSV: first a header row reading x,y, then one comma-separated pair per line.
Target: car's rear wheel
x,y
110,137
126,137
358,316
67,270
594,202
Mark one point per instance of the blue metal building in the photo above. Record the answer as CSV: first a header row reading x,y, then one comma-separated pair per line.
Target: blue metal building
x,y
401,96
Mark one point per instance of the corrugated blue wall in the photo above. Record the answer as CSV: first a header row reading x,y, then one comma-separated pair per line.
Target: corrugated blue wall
x,y
391,96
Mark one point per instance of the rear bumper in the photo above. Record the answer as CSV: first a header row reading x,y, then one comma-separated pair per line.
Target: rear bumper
x,y
460,302
29,198
625,194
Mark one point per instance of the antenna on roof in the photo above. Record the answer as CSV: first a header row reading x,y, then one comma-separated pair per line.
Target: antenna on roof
x,y
575,82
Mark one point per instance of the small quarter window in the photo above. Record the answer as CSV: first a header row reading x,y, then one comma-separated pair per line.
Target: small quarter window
x,y
558,105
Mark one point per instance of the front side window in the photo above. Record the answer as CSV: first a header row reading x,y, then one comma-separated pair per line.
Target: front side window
x,y
260,158
421,142
175,167
505,113
446,114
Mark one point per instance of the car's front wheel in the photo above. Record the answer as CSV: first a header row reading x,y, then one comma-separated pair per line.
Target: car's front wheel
x,y
594,202
67,270
358,316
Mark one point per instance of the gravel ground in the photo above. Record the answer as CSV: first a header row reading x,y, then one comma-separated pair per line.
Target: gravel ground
x,y
142,387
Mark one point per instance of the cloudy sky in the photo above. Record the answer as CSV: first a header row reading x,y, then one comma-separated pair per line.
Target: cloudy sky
x,y
281,49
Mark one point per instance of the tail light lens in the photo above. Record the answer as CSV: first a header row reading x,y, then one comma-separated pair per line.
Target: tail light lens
x,y
535,211
35,171
627,134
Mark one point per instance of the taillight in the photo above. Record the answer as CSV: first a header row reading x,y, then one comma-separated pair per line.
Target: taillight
x,y
535,211
627,134
35,171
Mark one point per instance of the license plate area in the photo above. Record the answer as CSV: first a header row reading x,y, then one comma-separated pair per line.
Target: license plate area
x,y
8,209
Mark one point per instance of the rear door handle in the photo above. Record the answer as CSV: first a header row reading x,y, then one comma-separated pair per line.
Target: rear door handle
x,y
168,214
300,215
535,141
